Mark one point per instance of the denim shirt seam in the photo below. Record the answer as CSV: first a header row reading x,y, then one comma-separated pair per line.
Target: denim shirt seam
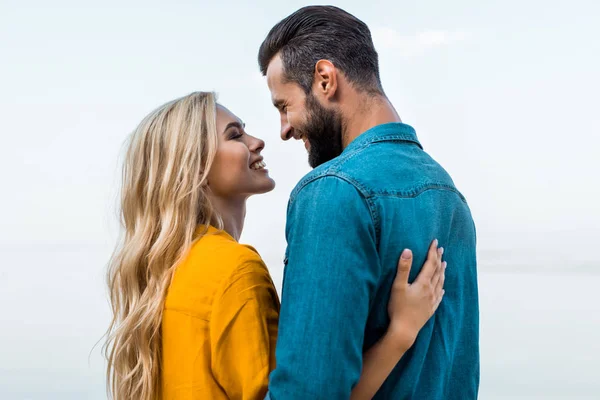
x,y
420,189
389,137
369,199
305,181
364,192
337,165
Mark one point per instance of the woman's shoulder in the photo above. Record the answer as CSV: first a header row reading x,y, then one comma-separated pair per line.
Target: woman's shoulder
x,y
223,250
216,257
214,263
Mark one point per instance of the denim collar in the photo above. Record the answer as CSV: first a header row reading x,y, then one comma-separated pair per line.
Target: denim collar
x,y
385,132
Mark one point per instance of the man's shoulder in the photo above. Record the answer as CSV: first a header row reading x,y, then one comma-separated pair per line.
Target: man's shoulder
x,y
328,176
392,167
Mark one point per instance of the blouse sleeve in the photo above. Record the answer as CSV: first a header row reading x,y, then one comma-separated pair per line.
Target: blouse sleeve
x,y
243,332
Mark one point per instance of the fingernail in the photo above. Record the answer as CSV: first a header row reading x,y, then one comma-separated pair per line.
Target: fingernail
x,y
435,242
444,264
441,251
406,254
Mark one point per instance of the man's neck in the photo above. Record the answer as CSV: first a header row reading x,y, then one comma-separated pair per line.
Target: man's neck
x,y
232,212
366,113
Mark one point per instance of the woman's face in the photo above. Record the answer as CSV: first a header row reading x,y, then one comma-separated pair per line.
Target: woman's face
x,y
238,170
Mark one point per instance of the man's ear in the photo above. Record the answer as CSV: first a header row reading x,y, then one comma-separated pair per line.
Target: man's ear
x,y
325,80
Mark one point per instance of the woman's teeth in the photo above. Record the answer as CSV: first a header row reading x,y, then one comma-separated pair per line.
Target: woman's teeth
x,y
258,165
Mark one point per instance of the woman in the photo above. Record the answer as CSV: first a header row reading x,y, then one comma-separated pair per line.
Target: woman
x,y
195,312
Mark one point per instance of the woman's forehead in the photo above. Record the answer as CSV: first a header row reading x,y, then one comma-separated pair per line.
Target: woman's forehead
x,y
225,117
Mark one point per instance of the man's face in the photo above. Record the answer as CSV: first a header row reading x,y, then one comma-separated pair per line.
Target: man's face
x,y
304,118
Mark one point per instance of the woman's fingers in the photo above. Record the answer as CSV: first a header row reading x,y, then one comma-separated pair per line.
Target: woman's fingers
x,y
431,264
437,303
438,274
439,285
404,265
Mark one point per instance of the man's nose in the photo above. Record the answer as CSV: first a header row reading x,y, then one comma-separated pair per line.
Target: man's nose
x,y
286,129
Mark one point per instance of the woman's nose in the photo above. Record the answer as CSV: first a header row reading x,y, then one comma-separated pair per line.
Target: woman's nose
x,y
257,144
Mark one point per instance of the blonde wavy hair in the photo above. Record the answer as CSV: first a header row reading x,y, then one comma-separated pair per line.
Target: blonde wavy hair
x,y
163,201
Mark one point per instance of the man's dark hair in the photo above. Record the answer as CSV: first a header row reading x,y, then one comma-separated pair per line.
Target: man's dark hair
x,y
314,33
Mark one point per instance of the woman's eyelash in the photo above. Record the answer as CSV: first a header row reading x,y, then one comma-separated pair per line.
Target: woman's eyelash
x,y
236,134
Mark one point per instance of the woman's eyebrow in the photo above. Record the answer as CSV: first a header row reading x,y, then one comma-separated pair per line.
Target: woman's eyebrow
x,y
235,124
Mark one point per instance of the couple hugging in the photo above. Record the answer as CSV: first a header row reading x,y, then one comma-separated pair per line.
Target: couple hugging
x,y
368,307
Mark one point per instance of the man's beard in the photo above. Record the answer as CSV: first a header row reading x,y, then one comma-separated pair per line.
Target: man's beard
x,y
323,130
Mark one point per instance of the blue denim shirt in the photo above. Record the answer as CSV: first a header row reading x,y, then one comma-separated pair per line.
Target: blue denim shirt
x,y
348,221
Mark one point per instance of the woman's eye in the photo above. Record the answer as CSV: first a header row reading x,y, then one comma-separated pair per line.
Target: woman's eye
x,y
236,135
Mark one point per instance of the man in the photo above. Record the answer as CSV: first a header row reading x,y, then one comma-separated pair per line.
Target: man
x,y
373,192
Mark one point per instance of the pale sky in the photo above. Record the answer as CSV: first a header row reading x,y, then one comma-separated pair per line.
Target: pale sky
x,y
504,94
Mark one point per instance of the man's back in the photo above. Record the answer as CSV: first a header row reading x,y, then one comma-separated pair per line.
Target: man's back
x,y
382,195
415,202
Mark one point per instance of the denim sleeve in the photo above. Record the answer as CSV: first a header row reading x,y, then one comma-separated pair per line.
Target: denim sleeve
x,y
329,282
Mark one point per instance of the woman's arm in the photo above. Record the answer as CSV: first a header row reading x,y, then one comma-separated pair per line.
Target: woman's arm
x,y
410,307
243,331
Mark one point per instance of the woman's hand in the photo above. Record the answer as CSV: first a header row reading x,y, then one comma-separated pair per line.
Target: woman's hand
x,y
412,304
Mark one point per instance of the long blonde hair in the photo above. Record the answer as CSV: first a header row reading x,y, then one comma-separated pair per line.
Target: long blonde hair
x,y
163,201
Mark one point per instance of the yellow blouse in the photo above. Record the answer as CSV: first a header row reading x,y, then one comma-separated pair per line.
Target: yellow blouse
x,y
219,325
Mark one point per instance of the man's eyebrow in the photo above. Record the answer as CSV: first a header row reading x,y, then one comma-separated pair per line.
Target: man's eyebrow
x,y
278,103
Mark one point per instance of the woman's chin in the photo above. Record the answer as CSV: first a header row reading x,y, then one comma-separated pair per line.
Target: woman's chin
x,y
266,187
